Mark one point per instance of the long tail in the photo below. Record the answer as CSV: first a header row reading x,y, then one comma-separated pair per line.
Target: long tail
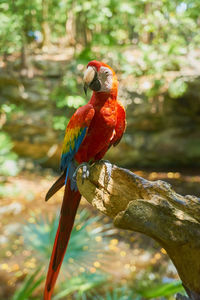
x,y
70,204
56,186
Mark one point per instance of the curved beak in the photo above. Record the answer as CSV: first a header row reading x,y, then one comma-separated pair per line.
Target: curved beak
x,y
85,87
88,77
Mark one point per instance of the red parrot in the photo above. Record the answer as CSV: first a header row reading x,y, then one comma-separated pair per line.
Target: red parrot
x,y
90,132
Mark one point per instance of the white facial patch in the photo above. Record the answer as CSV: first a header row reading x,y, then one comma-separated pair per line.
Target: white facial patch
x,y
89,75
106,79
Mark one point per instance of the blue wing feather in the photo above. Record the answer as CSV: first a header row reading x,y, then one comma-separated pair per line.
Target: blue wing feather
x,y
67,157
75,133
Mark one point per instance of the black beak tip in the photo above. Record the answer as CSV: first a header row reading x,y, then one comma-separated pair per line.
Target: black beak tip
x,y
85,89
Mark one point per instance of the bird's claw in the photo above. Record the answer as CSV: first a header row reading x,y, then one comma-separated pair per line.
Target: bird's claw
x,y
85,171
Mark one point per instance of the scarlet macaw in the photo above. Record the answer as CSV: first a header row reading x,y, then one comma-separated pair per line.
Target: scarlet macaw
x,y
90,132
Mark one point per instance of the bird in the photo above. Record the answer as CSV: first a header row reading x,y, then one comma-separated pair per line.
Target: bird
x,y
91,131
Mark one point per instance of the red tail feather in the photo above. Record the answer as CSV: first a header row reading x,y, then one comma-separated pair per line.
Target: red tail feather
x,y
56,186
70,204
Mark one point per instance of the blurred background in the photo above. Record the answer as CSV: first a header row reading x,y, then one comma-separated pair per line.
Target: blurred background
x,y
153,45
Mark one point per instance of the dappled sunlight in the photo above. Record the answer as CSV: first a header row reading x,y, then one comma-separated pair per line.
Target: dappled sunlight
x,y
124,256
45,47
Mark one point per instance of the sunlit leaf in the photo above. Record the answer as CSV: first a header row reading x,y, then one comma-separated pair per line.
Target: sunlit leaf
x,y
30,284
162,290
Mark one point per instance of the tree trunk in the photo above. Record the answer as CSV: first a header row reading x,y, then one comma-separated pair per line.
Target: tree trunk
x,y
147,36
152,208
23,56
45,25
71,25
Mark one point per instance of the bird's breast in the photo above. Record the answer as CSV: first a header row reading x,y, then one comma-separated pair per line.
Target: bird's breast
x,y
108,116
100,132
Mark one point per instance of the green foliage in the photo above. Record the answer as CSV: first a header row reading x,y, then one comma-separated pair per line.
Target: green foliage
x,y
9,108
68,95
72,101
157,84
18,19
83,247
8,191
8,159
162,290
158,290
9,40
167,27
5,144
161,31
84,285
60,122
30,284
82,251
80,285
177,88
118,293
8,163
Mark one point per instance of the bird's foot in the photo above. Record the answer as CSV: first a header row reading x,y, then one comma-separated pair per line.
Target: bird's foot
x,y
108,168
85,171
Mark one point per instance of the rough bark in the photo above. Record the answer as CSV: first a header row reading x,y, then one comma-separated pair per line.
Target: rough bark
x,y
152,208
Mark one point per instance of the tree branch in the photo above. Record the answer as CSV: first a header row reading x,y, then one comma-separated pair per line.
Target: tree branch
x,y
152,208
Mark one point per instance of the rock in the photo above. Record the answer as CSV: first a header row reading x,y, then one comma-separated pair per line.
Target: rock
x,y
165,134
50,68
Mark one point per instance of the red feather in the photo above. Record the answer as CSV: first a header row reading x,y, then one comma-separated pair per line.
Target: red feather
x,y
70,204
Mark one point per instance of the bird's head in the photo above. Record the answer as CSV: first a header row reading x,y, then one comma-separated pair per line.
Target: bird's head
x,y
100,77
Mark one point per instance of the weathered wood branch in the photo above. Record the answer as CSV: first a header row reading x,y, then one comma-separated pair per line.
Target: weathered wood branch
x,y
153,208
